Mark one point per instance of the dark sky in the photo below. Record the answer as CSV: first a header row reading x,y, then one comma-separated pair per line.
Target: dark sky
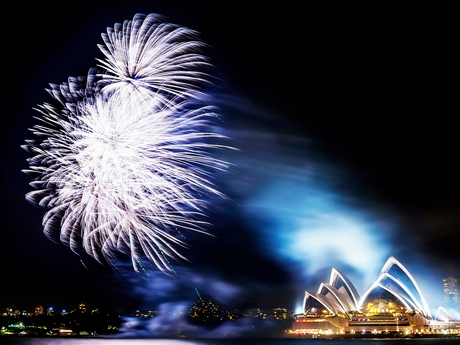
x,y
345,121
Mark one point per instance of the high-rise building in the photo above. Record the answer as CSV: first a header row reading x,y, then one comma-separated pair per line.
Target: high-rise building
x,y
450,289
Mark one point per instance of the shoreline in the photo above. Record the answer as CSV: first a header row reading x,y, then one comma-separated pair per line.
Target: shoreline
x,y
372,336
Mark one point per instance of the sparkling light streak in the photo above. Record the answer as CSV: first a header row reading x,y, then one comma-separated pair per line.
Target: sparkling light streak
x,y
124,160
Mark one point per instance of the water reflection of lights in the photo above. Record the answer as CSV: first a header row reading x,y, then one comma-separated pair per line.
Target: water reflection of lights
x,y
107,341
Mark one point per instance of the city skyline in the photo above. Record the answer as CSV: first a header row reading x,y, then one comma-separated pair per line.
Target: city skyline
x,y
346,154
449,291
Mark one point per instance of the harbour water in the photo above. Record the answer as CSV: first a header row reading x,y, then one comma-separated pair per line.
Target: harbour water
x,y
103,341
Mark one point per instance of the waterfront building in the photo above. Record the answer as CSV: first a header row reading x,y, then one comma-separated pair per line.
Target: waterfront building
x,y
394,304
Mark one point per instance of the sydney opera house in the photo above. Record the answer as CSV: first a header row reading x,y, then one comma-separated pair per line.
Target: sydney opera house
x,y
393,304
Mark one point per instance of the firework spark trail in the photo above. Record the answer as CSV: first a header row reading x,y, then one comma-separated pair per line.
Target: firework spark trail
x,y
124,158
152,57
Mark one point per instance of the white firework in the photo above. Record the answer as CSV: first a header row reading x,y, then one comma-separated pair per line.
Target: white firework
x,y
124,159
152,57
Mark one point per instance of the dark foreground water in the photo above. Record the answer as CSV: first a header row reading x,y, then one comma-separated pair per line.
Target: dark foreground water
x,y
96,341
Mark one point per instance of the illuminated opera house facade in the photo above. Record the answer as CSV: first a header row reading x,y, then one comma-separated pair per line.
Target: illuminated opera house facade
x,y
393,304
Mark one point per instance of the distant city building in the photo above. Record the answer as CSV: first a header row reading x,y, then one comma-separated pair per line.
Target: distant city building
x,y
143,313
204,311
82,307
39,310
230,315
253,312
280,313
450,289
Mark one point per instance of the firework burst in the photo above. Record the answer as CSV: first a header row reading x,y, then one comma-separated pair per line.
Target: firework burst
x,y
123,158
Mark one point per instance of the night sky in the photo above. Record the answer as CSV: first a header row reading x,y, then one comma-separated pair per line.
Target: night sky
x,y
345,123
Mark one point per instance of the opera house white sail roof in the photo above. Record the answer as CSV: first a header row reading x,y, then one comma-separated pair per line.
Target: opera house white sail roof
x,y
340,297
